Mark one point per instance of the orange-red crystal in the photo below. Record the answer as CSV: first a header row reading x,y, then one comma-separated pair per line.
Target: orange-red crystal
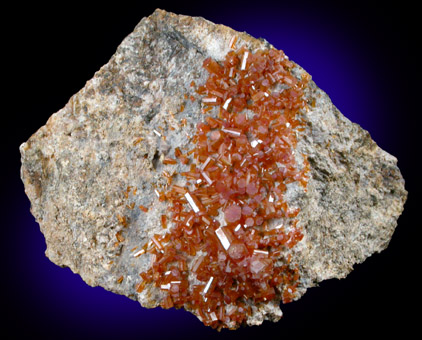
x,y
222,252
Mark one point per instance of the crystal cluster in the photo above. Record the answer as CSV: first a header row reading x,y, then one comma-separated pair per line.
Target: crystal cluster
x,y
222,252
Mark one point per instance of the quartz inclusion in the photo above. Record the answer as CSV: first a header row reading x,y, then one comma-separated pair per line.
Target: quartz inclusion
x,y
96,173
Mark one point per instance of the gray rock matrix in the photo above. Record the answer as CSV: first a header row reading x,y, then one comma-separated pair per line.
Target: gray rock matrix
x,y
115,132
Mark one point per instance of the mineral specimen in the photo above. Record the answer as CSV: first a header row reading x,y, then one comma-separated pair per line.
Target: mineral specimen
x,y
202,169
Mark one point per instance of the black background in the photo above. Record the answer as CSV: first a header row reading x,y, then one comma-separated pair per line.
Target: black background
x,y
361,54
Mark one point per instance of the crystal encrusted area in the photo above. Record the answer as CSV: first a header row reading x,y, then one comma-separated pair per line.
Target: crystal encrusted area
x,y
225,247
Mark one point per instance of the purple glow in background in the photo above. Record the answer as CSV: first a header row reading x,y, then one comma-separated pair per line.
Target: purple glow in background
x,y
354,54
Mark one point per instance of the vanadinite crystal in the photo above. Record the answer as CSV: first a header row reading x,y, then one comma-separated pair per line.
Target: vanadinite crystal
x,y
222,249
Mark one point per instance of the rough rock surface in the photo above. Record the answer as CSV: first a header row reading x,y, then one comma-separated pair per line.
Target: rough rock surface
x,y
76,169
